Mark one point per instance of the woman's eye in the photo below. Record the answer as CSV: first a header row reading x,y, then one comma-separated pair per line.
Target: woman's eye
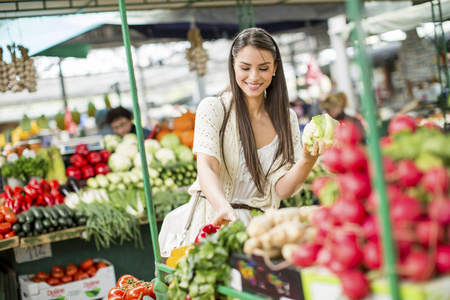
x,y
263,69
245,68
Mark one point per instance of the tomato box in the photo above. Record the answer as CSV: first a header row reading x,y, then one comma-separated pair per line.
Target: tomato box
x,y
251,274
94,288
319,283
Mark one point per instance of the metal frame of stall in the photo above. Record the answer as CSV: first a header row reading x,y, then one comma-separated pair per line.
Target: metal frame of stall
x,y
355,11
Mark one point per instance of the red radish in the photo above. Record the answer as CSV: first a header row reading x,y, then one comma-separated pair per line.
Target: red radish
x,y
405,209
354,284
439,210
436,181
324,256
332,160
353,158
386,141
348,253
407,173
336,266
370,228
392,192
404,239
352,212
349,133
337,209
322,214
372,255
400,123
432,126
342,235
319,183
443,259
389,167
429,233
418,266
306,254
354,185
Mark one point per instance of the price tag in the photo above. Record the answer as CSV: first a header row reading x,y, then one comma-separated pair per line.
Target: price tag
x,y
32,253
236,279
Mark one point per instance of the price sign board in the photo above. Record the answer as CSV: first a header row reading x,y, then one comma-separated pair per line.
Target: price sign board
x,y
32,253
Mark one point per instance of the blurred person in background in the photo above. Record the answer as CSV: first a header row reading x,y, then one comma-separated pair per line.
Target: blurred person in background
x,y
120,119
335,105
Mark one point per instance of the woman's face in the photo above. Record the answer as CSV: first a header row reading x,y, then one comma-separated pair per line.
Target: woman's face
x,y
121,126
254,68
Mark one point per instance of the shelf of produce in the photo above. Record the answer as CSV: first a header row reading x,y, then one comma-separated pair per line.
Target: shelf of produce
x,y
9,243
57,236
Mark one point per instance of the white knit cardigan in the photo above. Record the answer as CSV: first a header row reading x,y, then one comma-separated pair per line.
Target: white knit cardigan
x,y
208,121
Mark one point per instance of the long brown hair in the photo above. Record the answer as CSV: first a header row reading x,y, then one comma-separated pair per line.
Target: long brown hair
x,y
276,104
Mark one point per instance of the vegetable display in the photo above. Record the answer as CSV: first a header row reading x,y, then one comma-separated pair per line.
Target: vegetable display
x,y
85,164
8,220
321,128
26,167
129,287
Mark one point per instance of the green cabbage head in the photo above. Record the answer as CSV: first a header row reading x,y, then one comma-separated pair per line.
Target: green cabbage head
x,y
320,128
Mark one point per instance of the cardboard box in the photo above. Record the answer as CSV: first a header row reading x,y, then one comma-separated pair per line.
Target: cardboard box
x,y
319,284
251,274
96,287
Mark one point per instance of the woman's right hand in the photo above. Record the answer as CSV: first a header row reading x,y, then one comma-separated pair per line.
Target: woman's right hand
x,y
225,216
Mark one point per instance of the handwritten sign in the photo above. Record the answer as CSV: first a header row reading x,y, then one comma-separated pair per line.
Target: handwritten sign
x,y
32,253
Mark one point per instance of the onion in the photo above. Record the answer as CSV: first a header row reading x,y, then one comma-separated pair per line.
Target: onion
x,y
417,266
408,174
443,259
405,209
355,185
400,123
306,254
436,181
372,255
354,284
353,158
439,210
349,133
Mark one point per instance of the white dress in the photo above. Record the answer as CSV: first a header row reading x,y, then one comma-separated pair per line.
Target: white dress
x,y
245,186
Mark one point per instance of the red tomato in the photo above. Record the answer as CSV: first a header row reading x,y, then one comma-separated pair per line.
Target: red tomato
x,y
126,280
115,298
1,236
56,268
5,209
42,275
101,265
137,293
150,287
11,218
81,276
86,264
36,279
71,269
5,227
57,274
10,234
66,279
2,217
91,271
116,291
53,281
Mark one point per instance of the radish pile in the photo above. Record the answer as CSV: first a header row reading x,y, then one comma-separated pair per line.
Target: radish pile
x,y
348,240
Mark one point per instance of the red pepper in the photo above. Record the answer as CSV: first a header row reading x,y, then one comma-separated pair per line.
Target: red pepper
x,y
54,184
48,199
9,202
35,185
54,193
102,168
59,199
73,171
26,203
18,199
30,192
8,191
87,171
94,158
105,154
82,149
205,231
78,160
45,186
40,201
17,190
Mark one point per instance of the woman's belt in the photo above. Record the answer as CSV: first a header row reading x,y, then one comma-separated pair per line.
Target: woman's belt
x,y
245,206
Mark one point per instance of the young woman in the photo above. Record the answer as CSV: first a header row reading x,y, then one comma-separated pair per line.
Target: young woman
x,y
247,142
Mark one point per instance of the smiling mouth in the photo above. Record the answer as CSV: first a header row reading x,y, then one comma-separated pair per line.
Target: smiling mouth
x,y
253,85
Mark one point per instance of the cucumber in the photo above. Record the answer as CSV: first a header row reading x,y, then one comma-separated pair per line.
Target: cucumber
x,y
26,227
62,221
81,221
51,229
22,234
61,211
17,228
29,234
54,214
38,225
45,213
67,209
70,222
54,222
46,223
36,212
29,216
79,214
44,231
21,218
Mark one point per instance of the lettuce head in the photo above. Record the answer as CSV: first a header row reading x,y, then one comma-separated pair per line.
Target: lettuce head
x,y
320,128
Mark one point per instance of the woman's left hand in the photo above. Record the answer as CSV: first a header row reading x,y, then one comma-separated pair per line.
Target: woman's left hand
x,y
318,149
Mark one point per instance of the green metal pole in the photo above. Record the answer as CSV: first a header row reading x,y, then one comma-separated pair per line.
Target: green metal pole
x,y
226,290
140,137
444,46
355,11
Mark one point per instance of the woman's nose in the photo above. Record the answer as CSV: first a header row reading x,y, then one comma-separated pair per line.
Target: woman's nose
x,y
254,74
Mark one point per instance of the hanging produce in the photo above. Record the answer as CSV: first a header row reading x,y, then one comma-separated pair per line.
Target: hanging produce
x,y
92,110
196,55
20,73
